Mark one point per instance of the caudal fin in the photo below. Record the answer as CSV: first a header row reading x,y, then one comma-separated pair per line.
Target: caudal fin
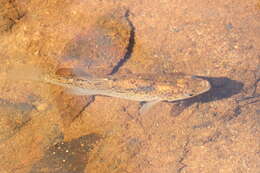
x,y
25,72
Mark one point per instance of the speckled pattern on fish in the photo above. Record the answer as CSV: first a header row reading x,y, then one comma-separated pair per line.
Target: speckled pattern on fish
x,y
138,87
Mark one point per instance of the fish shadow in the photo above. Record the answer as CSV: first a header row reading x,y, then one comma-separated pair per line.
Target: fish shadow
x,y
221,88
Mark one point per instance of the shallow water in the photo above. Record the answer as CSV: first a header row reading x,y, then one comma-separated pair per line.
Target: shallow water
x,y
46,129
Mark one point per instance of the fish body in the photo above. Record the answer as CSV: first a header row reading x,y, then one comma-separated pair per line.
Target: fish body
x,y
148,88
138,87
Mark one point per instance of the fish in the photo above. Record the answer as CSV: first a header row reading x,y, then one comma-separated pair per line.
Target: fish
x,y
145,88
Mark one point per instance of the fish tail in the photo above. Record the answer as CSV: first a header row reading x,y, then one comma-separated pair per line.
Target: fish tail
x,y
26,72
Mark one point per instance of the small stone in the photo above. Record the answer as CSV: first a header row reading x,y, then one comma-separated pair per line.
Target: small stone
x,y
42,106
229,26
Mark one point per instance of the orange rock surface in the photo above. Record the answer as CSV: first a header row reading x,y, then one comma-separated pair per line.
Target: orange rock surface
x,y
43,129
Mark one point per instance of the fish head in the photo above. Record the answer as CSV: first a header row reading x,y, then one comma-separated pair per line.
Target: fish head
x,y
187,87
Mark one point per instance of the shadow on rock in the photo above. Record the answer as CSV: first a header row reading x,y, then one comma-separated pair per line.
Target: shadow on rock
x,y
221,88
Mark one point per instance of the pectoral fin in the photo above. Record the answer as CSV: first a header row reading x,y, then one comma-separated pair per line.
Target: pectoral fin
x,y
147,105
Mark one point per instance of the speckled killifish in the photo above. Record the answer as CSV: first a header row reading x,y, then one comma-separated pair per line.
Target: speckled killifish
x,y
148,88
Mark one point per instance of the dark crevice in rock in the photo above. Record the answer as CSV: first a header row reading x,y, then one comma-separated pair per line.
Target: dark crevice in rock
x,y
92,99
129,48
